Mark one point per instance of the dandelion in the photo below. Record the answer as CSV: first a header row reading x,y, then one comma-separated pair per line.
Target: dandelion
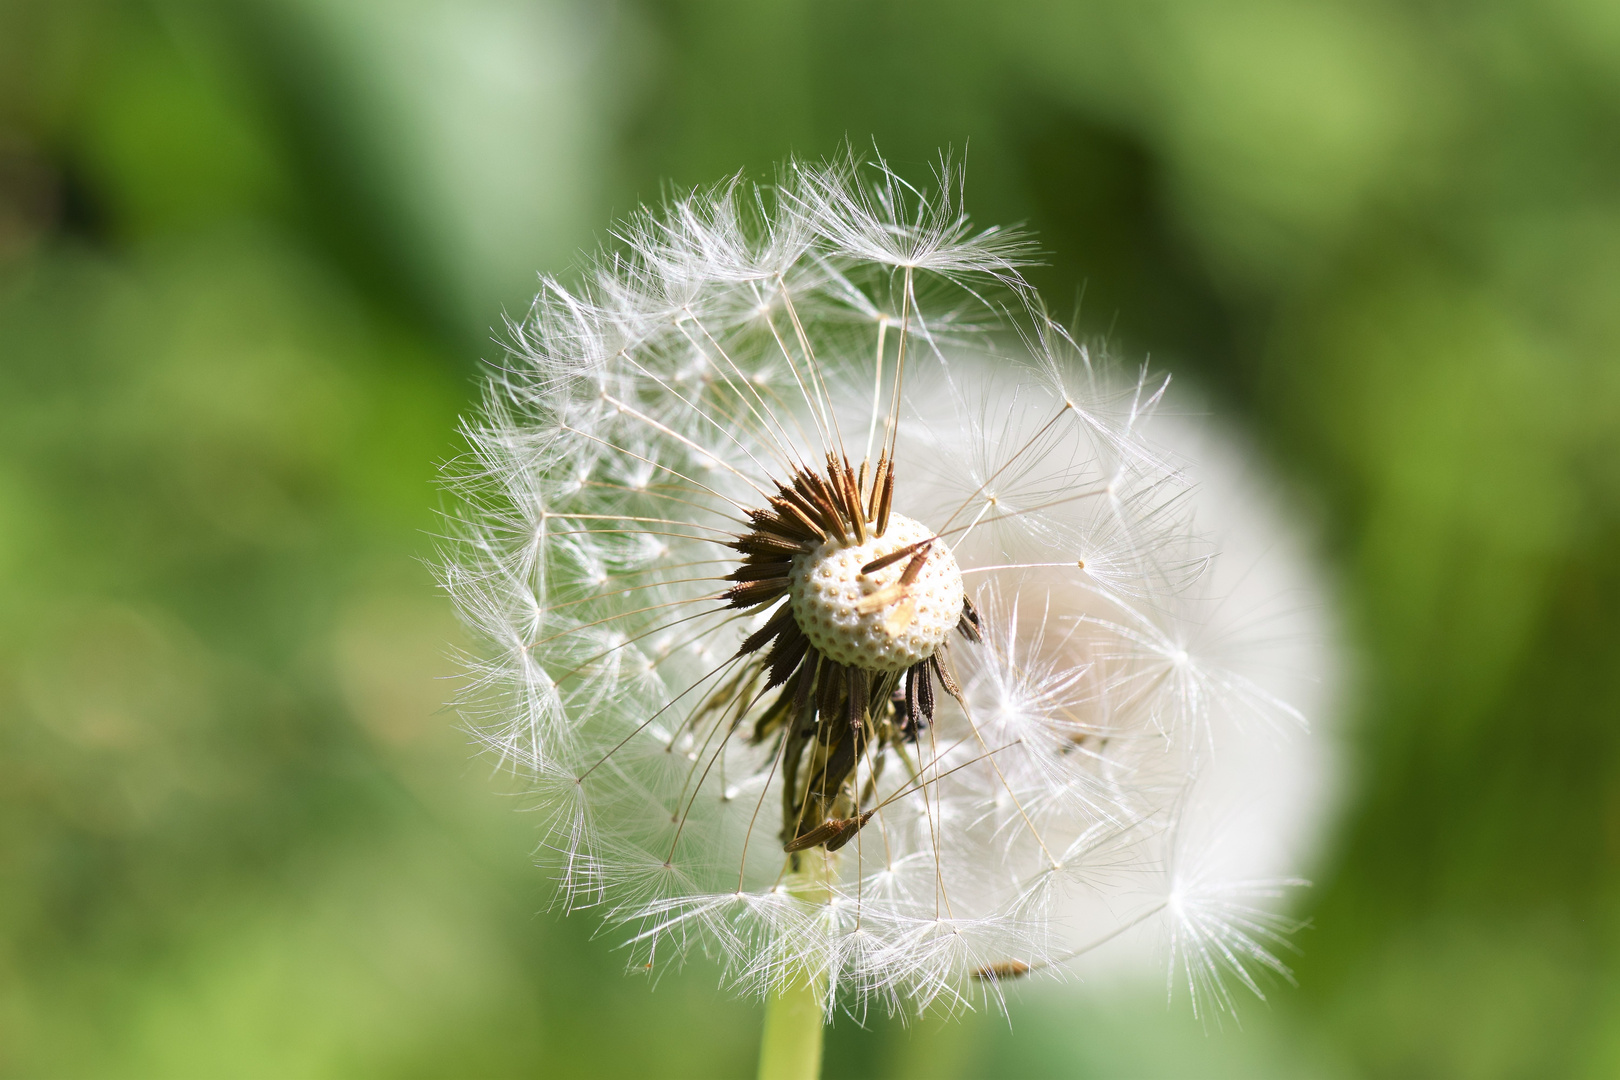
x,y
839,611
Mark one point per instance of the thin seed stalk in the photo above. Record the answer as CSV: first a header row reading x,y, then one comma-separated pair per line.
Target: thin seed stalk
x,y
794,1014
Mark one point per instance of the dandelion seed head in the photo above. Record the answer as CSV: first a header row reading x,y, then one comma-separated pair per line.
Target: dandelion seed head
x,y
838,608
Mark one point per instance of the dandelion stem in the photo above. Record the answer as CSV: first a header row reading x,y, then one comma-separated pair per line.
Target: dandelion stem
x,y
794,1016
791,1048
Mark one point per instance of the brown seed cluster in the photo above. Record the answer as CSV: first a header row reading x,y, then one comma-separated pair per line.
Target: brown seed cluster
x,y
828,715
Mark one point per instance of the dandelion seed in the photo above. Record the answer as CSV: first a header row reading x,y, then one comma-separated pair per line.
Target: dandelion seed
x,y
836,605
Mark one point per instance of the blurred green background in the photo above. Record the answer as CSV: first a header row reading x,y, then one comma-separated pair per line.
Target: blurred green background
x,y
251,255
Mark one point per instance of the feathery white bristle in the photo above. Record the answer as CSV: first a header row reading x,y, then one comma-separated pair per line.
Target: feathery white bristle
x,y
731,338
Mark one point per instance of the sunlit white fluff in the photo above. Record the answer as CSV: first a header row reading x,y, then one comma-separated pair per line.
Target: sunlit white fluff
x,y
642,410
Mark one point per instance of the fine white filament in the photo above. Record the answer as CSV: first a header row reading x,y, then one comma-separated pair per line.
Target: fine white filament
x,y
729,338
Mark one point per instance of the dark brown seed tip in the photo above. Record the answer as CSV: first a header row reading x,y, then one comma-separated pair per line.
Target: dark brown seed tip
x,y
969,625
818,835
834,832
847,831
895,556
1006,969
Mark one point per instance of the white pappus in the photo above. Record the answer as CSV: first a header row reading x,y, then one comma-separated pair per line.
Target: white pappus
x,y
839,610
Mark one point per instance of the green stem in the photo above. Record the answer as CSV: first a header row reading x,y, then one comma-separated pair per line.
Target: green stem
x,y
791,1048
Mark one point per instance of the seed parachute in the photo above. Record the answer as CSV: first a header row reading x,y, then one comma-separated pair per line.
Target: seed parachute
x,y
839,611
